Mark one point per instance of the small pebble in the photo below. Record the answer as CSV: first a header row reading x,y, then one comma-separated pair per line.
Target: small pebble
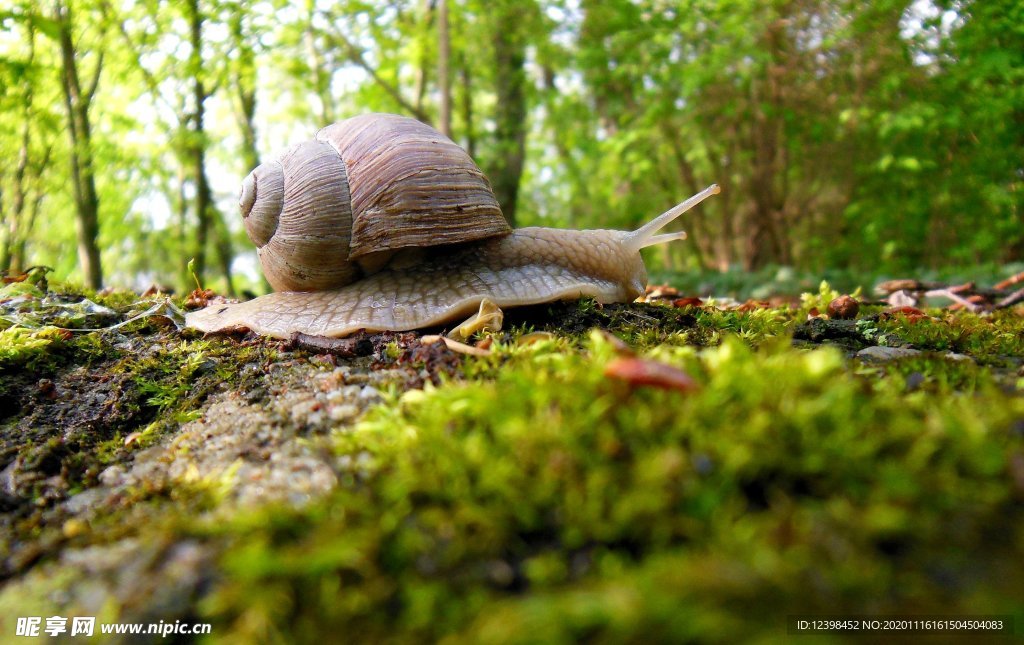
x,y
879,353
844,308
369,394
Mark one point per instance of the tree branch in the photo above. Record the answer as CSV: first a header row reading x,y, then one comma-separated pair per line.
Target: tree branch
x,y
356,56
95,80
135,49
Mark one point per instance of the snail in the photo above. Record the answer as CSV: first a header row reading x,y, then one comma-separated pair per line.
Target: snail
x,y
382,223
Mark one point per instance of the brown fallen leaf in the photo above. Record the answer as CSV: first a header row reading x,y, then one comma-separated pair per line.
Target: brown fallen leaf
x,y
534,337
687,302
638,372
200,298
619,346
751,305
653,292
913,314
34,274
906,311
156,290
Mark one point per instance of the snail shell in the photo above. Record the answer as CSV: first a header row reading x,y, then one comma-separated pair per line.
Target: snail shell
x,y
336,208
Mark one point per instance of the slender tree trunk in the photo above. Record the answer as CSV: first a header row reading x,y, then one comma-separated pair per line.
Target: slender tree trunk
x,y
14,229
467,105
420,88
181,216
244,77
76,102
207,217
16,223
728,244
18,261
702,244
225,252
198,148
509,44
444,81
5,237
766,241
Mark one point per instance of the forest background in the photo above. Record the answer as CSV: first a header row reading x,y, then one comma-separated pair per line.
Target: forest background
x,y
872,136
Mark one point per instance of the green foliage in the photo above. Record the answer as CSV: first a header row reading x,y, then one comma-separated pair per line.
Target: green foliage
x,y
828,163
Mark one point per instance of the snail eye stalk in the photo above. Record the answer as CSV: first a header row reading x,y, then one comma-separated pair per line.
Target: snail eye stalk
x,y
645,235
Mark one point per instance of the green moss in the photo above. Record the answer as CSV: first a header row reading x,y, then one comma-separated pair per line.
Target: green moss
x,y
648,325
993,337
755,326
25,346
530,497
937,374
556,501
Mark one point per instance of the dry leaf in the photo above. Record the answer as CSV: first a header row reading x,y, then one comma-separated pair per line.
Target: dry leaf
x,y
688,302
639,371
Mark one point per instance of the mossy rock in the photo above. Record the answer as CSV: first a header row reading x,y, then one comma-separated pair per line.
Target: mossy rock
x,y
415,494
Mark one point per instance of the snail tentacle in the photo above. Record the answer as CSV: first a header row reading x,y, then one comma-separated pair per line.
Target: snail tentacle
x,y
645,235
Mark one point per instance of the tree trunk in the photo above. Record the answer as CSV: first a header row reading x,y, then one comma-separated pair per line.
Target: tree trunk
x,y
244,77
509,43
702,243
765,241
76,102
15,225
5,236
9,260
207,217
181,218
18,261
467,106
423,60
444,81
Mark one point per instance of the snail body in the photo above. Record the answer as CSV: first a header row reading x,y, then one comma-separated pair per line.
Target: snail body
x,y
382,223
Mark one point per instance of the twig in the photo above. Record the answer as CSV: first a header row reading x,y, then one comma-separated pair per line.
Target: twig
x,y
1012,299
355,55
955,297
1012,280
341,347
